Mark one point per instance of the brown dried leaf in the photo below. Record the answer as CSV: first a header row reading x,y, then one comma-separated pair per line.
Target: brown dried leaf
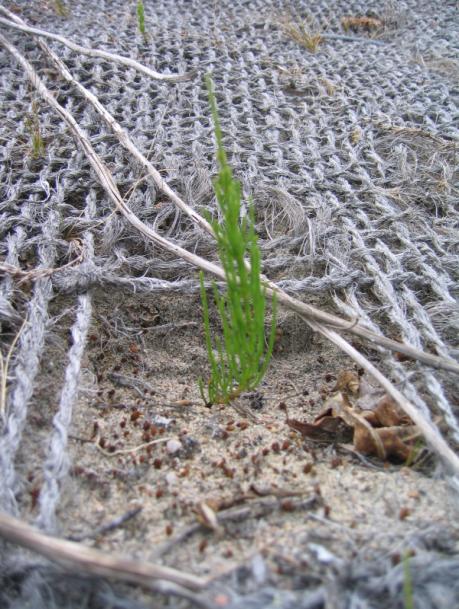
x,y
398,442
388,413
342,408
377,424
385,413
313,430
325,428
378,408
348,381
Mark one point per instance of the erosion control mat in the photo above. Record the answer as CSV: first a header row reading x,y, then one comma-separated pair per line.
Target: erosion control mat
x,y
118,486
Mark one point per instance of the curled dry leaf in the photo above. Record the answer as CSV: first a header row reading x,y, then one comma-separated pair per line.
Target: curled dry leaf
x,y
380,428
342,408
326,428
386,413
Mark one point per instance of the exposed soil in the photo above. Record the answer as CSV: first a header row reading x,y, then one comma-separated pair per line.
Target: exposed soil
x,y
139,387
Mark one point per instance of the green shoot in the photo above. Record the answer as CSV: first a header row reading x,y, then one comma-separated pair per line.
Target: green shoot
x,y
32,122
141,17
414,453
239,357
407,583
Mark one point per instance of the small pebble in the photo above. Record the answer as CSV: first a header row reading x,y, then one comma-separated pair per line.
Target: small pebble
x,y
190,446
171,478
162,421
173,446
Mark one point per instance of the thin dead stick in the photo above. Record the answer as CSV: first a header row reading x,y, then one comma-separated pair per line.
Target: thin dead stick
x,y
4,367
110,187
127,451
311,313
109,527
33,275
257,508
291,303
73,555
429,431
132,63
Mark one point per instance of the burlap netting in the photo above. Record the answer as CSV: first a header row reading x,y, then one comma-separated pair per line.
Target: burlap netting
x,y
348,154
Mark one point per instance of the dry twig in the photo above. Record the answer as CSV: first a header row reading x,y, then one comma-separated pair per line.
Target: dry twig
x,y
4,367
127,451
127,61
256,508
107,528
33,275
75,556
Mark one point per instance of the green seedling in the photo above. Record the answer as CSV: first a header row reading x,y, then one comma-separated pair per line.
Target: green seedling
x,y
407,583
141,18
32,122
239,355
414,453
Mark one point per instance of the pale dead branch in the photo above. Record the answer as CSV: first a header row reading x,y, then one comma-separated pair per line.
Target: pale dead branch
x,y
127,61
73,556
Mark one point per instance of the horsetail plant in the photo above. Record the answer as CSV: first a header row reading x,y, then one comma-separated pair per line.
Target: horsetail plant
x,y
240,355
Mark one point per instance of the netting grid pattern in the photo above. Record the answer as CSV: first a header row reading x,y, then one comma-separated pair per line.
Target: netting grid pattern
x,y
348,153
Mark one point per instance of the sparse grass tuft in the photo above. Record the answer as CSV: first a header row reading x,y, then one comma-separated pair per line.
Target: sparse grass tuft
x,y
32,122
303,32
240,357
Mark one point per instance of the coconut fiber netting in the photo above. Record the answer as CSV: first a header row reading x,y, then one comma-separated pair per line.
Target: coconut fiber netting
x,y
340,121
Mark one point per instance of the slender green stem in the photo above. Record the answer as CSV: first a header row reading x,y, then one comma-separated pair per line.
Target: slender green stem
x,y
239,356
407,583
141,17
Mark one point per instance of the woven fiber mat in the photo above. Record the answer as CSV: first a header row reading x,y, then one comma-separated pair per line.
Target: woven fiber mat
x,y
347,145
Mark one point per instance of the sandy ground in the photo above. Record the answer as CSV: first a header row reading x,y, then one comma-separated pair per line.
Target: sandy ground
x,y
277,494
